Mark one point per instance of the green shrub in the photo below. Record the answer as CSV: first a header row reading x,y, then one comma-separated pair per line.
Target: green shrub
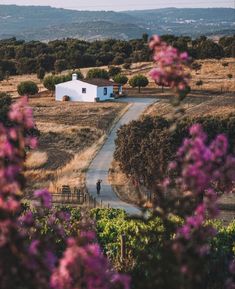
x,y
114,70
50,81
5,103
121,79
139,81
27,88
98,73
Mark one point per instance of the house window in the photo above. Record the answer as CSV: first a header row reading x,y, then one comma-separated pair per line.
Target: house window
x,y
105,91
84,90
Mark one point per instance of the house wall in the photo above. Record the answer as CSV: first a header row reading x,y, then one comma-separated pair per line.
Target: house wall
x,y
100,93
74,91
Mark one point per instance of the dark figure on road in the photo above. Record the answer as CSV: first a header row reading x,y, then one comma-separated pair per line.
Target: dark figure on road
x,y
98,186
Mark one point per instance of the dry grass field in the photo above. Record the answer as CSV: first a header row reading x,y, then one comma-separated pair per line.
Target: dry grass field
x,y
10,85
70,135
196,105
213,74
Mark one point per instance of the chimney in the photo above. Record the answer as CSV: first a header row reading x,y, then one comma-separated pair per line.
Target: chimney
x,y
74,76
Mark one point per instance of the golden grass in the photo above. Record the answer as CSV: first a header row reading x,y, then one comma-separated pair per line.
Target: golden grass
x,y
215,76
70,135
10,85
36,159
196,105
212,73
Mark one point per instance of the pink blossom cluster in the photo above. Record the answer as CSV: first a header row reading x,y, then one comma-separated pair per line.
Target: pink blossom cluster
x,y
12,152
203,169
33,241
170,63
85,265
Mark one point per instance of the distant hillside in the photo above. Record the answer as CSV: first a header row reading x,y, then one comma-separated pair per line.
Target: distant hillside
x,y
46,23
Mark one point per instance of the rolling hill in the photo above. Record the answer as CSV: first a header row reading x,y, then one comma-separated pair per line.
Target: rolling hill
x,y
46,23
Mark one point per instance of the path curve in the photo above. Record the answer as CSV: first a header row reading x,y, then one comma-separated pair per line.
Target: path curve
x,y
99,167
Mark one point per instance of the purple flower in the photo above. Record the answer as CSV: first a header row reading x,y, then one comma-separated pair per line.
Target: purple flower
x,y
50,260
170,65
45,197
33,247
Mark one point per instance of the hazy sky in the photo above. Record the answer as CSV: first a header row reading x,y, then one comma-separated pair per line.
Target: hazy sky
x,y
122,4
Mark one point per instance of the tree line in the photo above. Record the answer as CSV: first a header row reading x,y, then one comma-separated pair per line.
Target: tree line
x,y
150,146
50,81
20,57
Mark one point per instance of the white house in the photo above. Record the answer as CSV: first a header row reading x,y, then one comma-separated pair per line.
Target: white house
x,y
88,90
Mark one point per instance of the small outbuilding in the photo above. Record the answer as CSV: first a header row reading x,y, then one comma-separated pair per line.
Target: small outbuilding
x,y
87,90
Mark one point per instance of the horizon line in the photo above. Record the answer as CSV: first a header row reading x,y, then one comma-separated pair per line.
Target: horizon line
x,y
107,10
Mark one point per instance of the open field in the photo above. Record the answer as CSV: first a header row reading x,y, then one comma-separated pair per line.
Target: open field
x,y
71,133
197,105
213,74
10,85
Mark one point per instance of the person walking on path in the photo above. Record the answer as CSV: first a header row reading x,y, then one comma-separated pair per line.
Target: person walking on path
x,y
98,186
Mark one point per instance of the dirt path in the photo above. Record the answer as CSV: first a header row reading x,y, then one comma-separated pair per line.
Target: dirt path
x,y
99,168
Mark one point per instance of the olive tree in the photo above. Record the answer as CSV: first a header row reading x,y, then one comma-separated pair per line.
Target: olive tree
x,y
49,83
139,81
121,79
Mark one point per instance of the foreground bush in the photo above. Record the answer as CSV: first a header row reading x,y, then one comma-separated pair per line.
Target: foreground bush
x,y
34,246
146,258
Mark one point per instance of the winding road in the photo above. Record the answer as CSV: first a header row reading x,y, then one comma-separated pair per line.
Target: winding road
x,y
99,167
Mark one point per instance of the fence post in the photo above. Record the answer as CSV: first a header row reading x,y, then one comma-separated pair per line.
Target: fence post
x,y
123,247
94,202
